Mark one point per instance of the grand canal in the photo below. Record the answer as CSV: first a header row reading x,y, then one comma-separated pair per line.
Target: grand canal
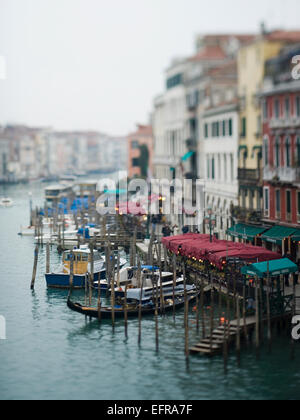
x,y
53,353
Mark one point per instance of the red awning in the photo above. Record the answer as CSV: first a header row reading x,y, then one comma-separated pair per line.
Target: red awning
x,y
199,246
249,254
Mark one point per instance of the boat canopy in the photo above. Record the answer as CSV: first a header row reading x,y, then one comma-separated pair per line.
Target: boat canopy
x,y
275,268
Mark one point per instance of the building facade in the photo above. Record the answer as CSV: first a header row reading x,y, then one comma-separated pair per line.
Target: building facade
x,y
140,152
251,73
281,144
221,138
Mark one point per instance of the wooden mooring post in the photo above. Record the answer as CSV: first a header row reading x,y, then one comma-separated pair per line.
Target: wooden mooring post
x,y
48,258
35,263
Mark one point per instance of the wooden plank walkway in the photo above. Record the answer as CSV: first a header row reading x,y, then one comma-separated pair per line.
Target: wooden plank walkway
x,y
213,345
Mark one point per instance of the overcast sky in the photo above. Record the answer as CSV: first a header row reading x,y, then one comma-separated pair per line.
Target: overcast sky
x,y
98,64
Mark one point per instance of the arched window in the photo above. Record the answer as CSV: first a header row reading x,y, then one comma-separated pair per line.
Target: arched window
x,y
266,151
288,152
277,153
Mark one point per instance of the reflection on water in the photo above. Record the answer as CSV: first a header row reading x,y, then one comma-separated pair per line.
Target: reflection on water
x,y
52,352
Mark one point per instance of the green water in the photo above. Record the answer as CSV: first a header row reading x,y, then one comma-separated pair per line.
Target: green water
x,y
53,353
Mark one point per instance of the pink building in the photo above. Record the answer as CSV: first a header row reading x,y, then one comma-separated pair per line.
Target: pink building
x,y
140,152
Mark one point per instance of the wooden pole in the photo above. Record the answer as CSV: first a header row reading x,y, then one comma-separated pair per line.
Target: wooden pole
x,y
71,275
162,303
186,316
48,258
125,312
113,297
244,315
174,285
269,310
156,320
92,274
202,309
140,303
36,257
99,297
257,344
238,335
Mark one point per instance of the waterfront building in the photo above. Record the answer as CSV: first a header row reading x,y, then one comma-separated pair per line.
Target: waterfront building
x,y
281,151
140,152
220,125
251,71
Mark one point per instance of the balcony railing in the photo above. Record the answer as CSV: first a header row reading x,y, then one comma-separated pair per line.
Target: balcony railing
x,y
282,174
249,175
285,122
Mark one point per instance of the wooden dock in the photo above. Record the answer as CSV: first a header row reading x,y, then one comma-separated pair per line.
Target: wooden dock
x,y
213,345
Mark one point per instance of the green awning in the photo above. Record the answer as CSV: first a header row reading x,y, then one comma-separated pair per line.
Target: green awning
x,y
276,268
277,233
245,231
244,148
296,236
254,149
187,156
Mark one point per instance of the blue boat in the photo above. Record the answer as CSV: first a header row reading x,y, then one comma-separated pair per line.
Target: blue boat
x,y
82,266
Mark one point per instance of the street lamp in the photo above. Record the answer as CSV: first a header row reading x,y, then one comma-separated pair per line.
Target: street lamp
x,y
211,221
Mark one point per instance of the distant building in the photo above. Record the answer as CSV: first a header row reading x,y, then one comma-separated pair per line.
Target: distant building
x,y
140,152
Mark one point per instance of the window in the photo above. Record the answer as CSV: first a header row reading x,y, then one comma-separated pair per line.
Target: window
x,y
267,201
135,162
206,131
277,152
231,128
135,144
213,168
288,152
265,109
277,109
288,203
287,103
298,106
224,128
298,152
298,205
278,202
266,151
244,127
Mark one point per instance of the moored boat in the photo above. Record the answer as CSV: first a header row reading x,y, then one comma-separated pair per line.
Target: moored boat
x,y
6,202
148,308
82,266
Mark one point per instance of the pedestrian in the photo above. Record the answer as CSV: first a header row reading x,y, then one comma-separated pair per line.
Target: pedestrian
x,y
154,223
166,231
185,229
175,230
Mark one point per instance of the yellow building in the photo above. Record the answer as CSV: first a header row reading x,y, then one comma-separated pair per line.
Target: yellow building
x,y
251,72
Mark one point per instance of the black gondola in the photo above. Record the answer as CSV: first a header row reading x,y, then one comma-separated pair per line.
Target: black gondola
x,y
148,309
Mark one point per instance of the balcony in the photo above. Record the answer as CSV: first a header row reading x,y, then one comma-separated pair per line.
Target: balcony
x,y
283,174
285,122
249,176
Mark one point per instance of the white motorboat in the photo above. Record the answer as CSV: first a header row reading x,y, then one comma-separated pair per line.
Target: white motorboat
x,y
6,202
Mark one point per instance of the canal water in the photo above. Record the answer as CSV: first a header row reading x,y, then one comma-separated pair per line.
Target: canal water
x,y
53,353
